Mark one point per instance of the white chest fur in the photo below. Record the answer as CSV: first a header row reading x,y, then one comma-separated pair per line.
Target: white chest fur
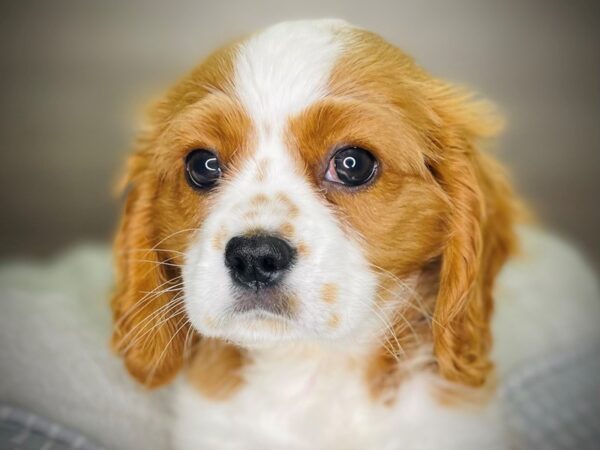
x,y
320,401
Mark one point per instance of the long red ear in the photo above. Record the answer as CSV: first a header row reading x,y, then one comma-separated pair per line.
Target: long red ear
x,y
481,237
150,324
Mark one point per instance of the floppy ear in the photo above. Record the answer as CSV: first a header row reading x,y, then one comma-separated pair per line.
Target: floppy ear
x,y
150,325
480,226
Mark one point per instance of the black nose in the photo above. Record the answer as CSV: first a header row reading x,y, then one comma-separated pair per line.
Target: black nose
x,y
258,261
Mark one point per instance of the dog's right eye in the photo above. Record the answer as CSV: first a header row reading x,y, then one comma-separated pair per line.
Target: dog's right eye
x,y
202,169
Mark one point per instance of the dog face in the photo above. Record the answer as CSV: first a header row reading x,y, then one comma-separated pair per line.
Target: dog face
x,y
294,188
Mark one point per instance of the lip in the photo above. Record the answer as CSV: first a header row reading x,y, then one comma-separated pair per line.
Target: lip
x,y
261,314
271,303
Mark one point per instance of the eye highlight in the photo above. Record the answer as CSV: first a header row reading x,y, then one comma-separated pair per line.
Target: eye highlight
x,y
351,166
202,169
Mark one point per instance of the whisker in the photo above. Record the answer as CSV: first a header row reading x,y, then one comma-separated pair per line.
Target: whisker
x,y
427,313
177,301
161,263
148,296
154,329
187,344
408,324
150,376
389,330
186,230
148,250
422,307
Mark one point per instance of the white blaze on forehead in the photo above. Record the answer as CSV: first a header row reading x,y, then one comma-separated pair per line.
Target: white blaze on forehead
x,y
285,68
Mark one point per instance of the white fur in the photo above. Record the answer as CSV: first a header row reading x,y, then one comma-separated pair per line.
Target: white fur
x,y
286,68
301,399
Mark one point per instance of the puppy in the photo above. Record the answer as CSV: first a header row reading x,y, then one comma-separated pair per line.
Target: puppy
x,y
311,236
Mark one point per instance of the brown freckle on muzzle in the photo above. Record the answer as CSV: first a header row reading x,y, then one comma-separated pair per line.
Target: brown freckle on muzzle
x,y
287,230
259,200
250,215
292,208
334,321
303,249
329,292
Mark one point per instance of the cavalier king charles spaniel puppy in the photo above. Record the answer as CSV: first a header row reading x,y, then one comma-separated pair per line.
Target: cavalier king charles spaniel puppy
x,y
309,243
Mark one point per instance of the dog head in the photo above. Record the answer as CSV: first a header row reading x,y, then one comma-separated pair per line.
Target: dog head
x,y
295,187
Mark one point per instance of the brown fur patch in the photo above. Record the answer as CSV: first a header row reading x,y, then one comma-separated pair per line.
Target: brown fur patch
x,y
216,369
287,230
259,200
334,321
303,249
250,215
292,209
329,292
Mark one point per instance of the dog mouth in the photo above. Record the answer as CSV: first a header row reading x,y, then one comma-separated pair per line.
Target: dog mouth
x,y
273,303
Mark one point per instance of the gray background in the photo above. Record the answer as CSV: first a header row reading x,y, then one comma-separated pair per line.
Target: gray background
x,y
74,75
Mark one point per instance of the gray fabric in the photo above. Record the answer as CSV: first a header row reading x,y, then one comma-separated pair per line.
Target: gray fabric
x,y
554,403
22,430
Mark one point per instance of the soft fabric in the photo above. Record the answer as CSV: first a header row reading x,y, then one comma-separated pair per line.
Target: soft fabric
x,y
23,430
553,402
547,345
55,360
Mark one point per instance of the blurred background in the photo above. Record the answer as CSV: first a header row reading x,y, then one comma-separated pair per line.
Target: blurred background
x,y
75,75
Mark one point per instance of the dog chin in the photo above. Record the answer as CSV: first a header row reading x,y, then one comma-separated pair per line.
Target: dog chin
x,y
258,329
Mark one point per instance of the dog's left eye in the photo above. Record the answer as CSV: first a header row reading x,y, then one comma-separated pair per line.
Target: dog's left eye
x,y
351,166
202,169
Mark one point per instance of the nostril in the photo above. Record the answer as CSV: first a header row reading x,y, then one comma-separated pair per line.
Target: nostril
x,y
239,264
268,264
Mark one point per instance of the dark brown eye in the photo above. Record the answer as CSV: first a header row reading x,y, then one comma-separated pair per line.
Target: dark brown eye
x,y
202,169
351,166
